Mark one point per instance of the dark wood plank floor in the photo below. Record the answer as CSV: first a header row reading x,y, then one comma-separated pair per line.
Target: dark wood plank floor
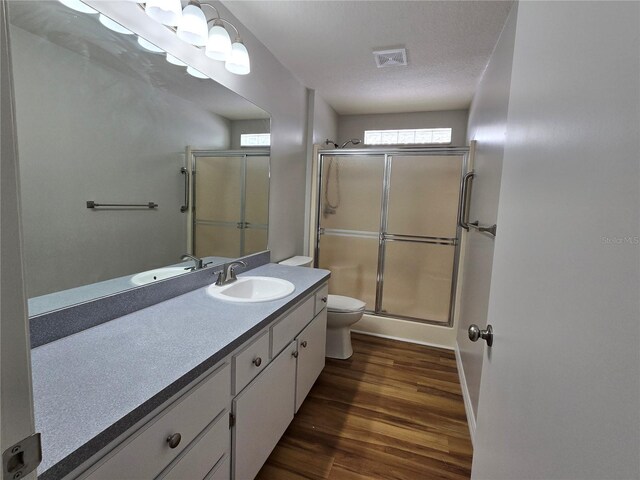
x,y
394,410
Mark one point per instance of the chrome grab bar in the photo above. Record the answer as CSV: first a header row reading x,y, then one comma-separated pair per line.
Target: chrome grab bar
x,y
92,204
463,205
185,172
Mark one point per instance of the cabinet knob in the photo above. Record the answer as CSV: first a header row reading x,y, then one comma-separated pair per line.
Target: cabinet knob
x,y
294,354
257,361
174,440
304,344
324,299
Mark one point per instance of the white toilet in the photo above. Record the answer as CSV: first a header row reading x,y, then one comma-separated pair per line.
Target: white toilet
x,y
342,312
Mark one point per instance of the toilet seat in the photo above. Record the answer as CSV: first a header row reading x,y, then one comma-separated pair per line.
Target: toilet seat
x,y
339,303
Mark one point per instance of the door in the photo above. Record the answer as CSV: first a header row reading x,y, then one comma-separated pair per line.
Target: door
x,y
311,355
560,388
16,401
263,412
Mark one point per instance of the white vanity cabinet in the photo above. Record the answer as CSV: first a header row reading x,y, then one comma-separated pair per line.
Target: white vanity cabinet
x,y
227,424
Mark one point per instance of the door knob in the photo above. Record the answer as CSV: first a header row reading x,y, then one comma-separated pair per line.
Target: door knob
x,y
475,334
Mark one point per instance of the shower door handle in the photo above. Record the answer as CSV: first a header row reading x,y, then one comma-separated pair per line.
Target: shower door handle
x,y
463,214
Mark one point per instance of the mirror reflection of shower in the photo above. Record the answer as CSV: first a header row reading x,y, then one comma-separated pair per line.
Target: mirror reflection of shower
x,y
329,207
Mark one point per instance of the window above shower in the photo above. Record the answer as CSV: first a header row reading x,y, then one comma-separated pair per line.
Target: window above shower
x,y
415,136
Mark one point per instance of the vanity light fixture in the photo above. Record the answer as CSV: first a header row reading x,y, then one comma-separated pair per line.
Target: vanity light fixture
x,y
219,43
238,61
115,26
78,6
147,45
166,12
196,73
193,25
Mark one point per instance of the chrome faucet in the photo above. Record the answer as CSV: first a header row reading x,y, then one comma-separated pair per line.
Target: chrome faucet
x,y
198,264
227,274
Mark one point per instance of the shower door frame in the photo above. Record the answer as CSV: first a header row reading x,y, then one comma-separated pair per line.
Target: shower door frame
x,y
242,224
383,236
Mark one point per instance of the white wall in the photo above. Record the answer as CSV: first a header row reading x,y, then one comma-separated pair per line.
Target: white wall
x,y
325,120
487,125
271,87
353,126
89,132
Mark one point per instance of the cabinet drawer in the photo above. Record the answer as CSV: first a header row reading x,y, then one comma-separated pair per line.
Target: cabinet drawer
x,y
205,453
250,362
148,453
322,296
286,329
222,470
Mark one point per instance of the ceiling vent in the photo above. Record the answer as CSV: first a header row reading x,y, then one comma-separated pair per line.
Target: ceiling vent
x,y
391,58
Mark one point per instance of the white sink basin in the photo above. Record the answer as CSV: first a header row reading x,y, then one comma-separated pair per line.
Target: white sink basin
x,y
252,289
151,276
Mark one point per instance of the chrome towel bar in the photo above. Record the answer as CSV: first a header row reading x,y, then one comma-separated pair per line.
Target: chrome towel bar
x,y
463,208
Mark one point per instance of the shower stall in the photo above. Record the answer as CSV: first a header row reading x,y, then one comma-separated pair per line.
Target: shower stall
x,y
230,196
388,229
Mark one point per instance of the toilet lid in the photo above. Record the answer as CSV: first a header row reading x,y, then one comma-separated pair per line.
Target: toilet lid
x,y
338,303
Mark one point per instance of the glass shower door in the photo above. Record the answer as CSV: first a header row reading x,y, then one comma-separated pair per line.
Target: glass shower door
x,y
256,208
349,221
218,184
420,237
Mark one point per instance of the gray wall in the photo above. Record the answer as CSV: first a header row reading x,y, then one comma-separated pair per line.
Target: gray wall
x,y
353,126
88,132
487,125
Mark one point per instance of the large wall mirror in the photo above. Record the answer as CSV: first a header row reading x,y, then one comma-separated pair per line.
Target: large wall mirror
x,y
106,117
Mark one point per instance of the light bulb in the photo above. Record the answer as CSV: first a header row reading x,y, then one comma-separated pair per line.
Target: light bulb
x,y
219,44
196,73
238,61
167,12
78,6
193,26
175,61
147,45
115,26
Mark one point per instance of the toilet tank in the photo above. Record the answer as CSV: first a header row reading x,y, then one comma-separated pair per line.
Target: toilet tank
x,y
298,261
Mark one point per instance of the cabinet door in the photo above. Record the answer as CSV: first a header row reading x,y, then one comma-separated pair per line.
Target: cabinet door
x,y
263,412
311,351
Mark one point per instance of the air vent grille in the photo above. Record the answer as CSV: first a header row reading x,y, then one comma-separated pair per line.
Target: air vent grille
x,y
390,58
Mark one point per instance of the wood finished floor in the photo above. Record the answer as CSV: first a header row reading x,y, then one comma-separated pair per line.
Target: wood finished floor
x,y
394,410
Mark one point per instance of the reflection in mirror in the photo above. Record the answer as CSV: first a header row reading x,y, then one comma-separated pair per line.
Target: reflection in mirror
x,y
103,117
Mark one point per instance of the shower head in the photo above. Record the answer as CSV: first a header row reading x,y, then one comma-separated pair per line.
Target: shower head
x,y
331,142
355,141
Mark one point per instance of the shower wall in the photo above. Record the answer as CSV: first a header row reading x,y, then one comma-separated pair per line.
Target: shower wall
x,y
388,230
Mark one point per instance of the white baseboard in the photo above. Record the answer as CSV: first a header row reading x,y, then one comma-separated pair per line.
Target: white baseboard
x,y
403,339
471,419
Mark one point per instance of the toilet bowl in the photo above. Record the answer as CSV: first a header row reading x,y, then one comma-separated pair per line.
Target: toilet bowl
x,y
342,312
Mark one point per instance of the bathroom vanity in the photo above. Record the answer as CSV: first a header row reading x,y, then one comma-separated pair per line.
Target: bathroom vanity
x,y
192,387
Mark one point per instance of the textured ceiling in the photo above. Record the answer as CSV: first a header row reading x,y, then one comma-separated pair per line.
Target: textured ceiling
x,y
328,45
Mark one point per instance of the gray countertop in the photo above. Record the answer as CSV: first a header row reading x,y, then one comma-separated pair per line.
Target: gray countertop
x,y
92,386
